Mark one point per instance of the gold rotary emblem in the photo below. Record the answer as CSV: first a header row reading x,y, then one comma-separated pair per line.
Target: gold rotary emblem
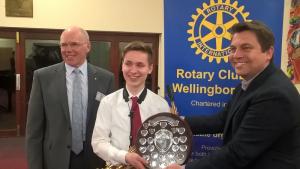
x,y
210,29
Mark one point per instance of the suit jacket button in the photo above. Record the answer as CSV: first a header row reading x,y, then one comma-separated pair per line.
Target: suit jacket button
x,y
68,146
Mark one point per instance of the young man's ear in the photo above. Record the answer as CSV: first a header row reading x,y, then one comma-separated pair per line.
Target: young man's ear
x,y
151,68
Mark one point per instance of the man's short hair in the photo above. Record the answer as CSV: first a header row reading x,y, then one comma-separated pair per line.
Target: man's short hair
x,y
139,46
263,34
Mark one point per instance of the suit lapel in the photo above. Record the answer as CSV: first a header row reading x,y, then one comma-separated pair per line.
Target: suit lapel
x,y
62,90
91,89
235,104
237,101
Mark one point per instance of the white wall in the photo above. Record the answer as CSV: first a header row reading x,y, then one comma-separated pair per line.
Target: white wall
x,y
103,15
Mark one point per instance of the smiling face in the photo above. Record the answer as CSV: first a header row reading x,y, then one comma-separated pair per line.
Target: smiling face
x,y
247,57
74,46
136,68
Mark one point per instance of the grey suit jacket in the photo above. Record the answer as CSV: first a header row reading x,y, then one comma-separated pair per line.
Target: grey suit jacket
x,y
261,126
48,130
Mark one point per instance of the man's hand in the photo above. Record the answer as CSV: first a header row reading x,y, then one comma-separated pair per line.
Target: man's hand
x,y
135,160
174,166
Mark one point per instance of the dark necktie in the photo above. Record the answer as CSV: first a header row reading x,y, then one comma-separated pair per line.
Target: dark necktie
x,y
77,114
136,119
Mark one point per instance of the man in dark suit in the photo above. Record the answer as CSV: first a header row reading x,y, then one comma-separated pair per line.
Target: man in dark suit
x,y
261,123
51,115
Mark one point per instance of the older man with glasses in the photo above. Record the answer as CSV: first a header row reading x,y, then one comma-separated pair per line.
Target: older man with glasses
x,y
62,108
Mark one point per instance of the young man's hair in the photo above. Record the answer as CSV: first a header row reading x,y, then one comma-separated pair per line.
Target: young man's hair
x,y
263,34
139,46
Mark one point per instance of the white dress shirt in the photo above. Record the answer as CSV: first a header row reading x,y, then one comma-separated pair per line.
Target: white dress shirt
x,y
110,139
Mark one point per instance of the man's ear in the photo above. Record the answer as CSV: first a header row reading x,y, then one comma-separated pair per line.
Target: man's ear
x,y
270,53
150,68
88,45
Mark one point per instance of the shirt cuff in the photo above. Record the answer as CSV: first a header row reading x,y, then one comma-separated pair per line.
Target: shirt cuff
x,y
120,157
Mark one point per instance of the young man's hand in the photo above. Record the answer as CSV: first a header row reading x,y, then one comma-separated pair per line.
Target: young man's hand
x,y
135,160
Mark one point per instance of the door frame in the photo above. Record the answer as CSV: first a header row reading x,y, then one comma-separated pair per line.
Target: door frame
x,y
12,34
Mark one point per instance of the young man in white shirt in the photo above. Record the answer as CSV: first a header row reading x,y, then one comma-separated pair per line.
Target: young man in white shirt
x,y
111,137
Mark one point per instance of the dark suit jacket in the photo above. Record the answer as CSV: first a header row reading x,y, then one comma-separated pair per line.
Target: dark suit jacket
x,y
48,130
261,126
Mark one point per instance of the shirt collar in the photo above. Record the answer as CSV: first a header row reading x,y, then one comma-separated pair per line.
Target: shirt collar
x,y
131,95
82,68
246,83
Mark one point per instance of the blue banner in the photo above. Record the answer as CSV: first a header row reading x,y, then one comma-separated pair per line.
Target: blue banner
x,y
197,38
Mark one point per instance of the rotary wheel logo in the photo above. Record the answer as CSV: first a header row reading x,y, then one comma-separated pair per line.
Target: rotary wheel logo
x,y
209,32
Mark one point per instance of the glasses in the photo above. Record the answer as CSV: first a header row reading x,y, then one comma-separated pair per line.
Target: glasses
x,y
72,45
